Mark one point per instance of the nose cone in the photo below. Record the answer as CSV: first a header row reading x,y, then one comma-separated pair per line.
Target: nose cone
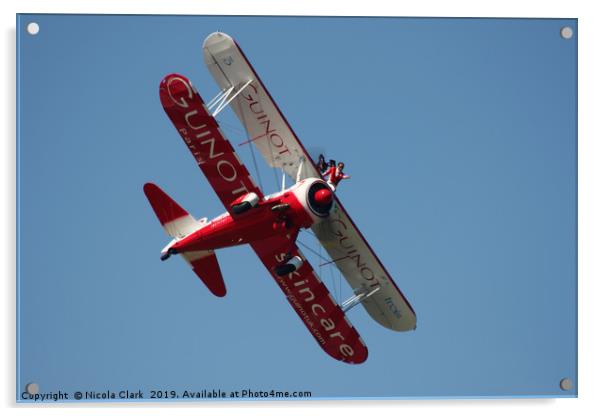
x,y
323,197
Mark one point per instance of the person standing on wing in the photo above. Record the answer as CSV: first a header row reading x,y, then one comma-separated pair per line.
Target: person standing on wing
x,y
334,175
330,168
321,165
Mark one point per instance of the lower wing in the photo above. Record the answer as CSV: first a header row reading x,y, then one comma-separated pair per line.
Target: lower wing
x,y
312,301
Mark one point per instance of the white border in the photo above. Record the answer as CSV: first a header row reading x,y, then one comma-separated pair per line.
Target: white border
x,y
590,189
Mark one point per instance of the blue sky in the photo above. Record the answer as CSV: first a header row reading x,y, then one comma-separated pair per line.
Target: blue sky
x,y
460,135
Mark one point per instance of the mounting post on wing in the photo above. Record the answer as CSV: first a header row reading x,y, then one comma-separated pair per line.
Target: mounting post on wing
x,y
225,97
300,168
360,296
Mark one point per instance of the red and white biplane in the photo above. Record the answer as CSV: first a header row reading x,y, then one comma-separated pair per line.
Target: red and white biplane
x,y
270,224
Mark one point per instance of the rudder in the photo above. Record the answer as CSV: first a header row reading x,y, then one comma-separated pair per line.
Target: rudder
x,y
176,221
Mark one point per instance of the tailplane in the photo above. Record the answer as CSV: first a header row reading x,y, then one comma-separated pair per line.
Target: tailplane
x,y
178,223
204,264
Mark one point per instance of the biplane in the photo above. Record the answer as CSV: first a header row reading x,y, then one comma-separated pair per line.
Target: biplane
x,y
270,224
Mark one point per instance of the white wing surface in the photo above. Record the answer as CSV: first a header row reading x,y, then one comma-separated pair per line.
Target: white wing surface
x,y
270,132
363,270
265,125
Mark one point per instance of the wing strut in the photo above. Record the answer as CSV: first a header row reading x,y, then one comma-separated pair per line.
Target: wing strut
x,y
360,296
225,97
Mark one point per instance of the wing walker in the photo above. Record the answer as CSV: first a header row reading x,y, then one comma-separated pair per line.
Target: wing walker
x,y
270,224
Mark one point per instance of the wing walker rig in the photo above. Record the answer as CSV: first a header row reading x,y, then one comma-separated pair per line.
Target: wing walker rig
x,y
270,224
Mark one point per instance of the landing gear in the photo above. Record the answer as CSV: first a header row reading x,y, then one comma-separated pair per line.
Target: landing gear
x,y
291,265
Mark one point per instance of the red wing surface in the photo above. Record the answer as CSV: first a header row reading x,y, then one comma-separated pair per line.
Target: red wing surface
x,y
212,151
313,303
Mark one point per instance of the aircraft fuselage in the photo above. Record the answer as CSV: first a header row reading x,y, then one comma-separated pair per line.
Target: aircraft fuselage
x,y
282,213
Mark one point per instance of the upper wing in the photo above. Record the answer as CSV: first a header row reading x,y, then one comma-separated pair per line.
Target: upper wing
x,y
312,302
212,151
363,270
263,121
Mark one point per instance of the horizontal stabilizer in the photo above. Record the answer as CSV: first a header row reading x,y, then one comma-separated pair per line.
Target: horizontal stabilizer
x,y
175,220
206,267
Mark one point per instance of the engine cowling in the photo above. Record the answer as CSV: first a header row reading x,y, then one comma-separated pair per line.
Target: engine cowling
x,y
316,197
320,198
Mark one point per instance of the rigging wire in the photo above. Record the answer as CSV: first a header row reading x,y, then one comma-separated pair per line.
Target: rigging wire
x,y
330,263
340,288
312,250
232,127
255,166
334,286
336,293
320,267
332,280
249,140
273,164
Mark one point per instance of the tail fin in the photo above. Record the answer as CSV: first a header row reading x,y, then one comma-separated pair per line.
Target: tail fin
x,y
178,223
175,220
